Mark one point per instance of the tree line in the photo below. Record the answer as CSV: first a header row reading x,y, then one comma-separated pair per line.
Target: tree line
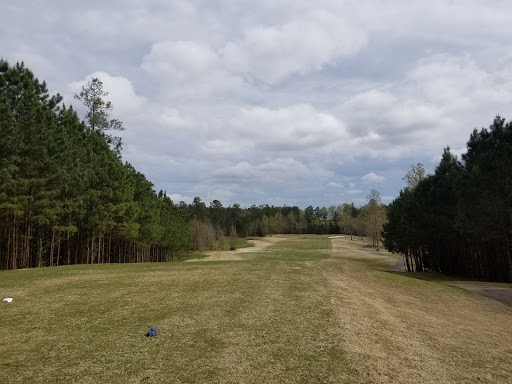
x,y
210,224
67,197
458,221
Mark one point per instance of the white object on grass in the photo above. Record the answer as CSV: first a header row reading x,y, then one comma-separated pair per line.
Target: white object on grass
x,y
7,300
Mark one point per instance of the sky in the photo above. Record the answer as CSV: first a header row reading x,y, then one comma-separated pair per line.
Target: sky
x,y
282,102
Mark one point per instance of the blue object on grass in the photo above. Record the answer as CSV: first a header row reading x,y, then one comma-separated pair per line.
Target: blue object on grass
x,y
151,332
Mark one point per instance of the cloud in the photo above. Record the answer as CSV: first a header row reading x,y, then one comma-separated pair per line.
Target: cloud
x,y
277,101
295,128
277,171
271,53
372,178
173,117
224,147
176,198
458,152
36,62
120,92
283,180
436,103
180,60
387,199
193,67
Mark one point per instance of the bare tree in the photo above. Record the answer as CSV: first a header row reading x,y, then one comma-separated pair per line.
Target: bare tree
x,y
414,175
375,215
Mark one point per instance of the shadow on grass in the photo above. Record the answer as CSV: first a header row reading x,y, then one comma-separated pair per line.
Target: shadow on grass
x,y
430,276
442,278
500,292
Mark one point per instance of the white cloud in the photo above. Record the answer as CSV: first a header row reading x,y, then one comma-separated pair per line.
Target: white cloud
x,y
172,117
276,171
180,60
387,199
120,92
224,147
176,198
277,101
296,128
435,104
193,67
35,61
372,178
271,53
458,152
371,99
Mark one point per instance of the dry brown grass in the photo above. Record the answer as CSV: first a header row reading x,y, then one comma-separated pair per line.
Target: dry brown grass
x,y
298,311
260,320
402,330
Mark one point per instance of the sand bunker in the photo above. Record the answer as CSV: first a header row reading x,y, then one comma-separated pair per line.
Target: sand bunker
x,y
243,253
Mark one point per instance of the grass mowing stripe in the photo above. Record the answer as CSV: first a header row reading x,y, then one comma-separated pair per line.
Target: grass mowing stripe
x,y
261,320
295,312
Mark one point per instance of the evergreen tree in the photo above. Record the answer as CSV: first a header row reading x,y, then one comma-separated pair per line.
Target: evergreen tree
x,y
97,117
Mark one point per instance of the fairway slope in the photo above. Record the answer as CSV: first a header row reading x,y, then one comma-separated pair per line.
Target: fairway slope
x,y
402,330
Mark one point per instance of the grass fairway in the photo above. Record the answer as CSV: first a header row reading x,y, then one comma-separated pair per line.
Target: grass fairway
x,y
306,309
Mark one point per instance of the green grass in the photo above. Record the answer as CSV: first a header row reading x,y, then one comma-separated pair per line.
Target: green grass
x,y
192,256
304,310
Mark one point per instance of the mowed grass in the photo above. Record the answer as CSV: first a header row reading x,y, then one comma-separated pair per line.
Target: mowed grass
x,y
263,320
400,329
305,310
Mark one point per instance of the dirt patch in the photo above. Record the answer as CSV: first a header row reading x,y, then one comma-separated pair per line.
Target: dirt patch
x,y
501,294
242,253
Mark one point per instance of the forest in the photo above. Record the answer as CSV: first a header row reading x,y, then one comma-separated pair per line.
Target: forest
x,y
458,221
67,197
